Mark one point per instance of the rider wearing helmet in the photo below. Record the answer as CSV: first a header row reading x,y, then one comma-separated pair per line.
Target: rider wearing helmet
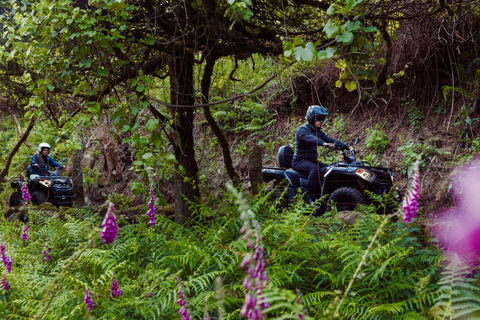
x,y
41,161
307,139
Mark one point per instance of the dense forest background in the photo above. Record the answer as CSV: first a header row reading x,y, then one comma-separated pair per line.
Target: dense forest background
x,y
160,103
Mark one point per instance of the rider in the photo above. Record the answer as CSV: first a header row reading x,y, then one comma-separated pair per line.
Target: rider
x,y
308,137
41,161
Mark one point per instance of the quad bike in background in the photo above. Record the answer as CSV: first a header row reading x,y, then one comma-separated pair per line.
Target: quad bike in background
x,y
344,182
53,188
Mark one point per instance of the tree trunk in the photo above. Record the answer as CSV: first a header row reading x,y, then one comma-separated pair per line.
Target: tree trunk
x,y
227,158
24,137
255,168
77,179
186,171
380,85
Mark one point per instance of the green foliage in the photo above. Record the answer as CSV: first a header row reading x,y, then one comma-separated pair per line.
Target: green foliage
x,y
412,151
317,255
377,140
415,115
457,295
247,115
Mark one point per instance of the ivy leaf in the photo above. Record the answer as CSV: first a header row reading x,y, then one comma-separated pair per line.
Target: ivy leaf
x,y
137,188
352,26
50,87
297,41
338,84
346,37
140,88
331,10
305,54
94,108
330,28
152,124
150,41
351,4
330,52
351,85
103,72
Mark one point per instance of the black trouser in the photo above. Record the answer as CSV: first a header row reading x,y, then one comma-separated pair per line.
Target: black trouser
x,y
313,169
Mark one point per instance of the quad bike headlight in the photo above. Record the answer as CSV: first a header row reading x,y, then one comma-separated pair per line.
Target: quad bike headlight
x,y
46,183
365,174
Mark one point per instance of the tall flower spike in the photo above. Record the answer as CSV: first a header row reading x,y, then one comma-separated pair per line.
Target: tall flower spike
x,y
25,194
151,207
110,229
5,284
7,261
46,253
410,203
115,290
24,233
256,276
88,299
181,302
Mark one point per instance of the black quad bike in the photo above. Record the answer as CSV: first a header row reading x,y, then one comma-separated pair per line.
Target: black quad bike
x,y
344,181
53,188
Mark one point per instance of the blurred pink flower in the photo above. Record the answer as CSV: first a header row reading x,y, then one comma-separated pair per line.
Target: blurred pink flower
x,y
458,229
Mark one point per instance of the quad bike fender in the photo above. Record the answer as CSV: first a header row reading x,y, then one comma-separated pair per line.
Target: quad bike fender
x,y
270,174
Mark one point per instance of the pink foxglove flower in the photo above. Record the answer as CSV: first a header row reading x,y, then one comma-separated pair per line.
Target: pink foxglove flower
x,y
24,233
25,194
7,261
181,302
115,290
256,276
151,208
88,299
410,203
46,253
110,229
5,284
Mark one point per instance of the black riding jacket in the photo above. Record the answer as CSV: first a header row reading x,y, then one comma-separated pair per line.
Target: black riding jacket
x,y
308,139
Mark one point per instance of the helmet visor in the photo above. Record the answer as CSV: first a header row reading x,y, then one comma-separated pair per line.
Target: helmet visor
x,y
319,117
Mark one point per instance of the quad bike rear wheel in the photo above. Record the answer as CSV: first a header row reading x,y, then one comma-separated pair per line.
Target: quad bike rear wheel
x,y
345,198
38,198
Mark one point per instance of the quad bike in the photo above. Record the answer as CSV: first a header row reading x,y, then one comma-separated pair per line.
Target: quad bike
x,y
343,181
53,188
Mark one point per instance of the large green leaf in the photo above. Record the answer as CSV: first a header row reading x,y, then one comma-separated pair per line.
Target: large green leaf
x,y
346,37
330,29
305,54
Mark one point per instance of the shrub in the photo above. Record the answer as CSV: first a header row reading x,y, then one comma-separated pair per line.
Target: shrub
x,y
377,140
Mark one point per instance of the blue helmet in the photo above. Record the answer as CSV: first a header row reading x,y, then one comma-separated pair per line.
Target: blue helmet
x,y
315,113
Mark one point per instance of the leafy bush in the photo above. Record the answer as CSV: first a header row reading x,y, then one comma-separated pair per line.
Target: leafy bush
x,y
377,140
415,115
412,151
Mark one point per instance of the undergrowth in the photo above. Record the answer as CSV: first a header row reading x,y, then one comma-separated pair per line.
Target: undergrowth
x,y
396,271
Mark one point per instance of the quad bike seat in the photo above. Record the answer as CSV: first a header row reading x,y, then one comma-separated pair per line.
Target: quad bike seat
x,y
285,156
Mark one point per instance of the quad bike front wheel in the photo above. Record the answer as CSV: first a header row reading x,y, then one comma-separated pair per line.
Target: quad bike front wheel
x,y
15,199
345,198
38,198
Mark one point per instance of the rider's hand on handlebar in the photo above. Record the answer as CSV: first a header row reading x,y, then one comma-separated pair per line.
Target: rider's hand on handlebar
x,y
330,145
351,149
35,165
